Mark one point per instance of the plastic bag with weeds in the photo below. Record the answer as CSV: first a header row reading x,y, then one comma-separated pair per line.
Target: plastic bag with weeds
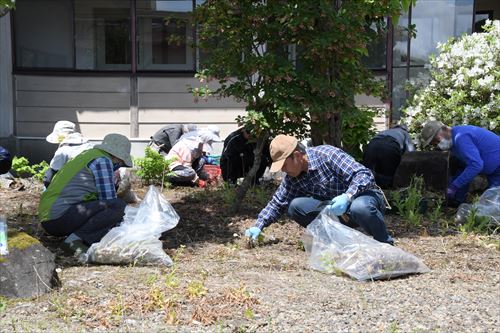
x,y
487,206
336,248
136,239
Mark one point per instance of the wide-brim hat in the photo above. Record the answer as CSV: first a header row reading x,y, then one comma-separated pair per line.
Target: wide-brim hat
x,y
61,130
281,147
75,139
429,131
117,145
215,130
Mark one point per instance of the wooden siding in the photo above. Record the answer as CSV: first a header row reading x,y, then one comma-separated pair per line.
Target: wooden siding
x,y
98,105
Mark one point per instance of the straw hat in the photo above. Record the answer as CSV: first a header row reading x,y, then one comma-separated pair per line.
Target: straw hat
x,y
61,130
117,145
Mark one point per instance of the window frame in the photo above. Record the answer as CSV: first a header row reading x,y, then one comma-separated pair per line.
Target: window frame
x,y
134,68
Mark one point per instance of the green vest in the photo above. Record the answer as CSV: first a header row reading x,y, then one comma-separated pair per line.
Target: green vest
x,y
63,177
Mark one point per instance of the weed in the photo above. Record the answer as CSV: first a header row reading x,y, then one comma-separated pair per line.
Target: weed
x,y
259,195
156,299
171,280
153,168
196,289
248,313
394,328
60,309
477,224
300,246
151,280
118,308
408,202
435,214
228,194
3,304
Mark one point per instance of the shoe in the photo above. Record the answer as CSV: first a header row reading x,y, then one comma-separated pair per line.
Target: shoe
x,y
76,247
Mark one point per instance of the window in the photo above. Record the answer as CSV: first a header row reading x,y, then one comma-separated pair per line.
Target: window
x,y
435,21
43,40
96,35
377,49
102,38
165,35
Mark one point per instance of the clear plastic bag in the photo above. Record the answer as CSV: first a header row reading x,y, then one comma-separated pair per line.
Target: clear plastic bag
x,y
336,248
488,205
136,239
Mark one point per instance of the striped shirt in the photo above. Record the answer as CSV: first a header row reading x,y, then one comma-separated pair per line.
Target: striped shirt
x,y
331,172
102,169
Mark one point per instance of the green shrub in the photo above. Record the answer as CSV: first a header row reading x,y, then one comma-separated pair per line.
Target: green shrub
x,y
153,168
358,128
22,167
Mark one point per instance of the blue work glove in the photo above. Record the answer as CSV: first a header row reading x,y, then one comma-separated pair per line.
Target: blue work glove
x,y
451,191
253,232
339,204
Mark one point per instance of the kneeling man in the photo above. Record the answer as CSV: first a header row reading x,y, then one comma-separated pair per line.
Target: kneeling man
x,y
321,173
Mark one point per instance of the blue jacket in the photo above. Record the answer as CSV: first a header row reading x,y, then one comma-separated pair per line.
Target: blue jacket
x,y
4,154
478,149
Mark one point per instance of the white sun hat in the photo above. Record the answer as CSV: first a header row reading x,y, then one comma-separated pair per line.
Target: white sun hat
x,y
117,145
74,139
61,130
215,130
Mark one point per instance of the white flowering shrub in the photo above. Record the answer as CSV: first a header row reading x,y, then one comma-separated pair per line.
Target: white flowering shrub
x,y
464,84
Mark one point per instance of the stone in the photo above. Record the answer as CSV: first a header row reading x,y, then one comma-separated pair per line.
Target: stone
x,y
29,268
431,165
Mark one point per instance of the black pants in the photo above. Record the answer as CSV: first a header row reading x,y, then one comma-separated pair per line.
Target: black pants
x,y
88,220
382,156
238,166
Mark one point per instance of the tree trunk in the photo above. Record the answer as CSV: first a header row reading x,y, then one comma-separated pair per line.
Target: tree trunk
x,y
249,179
334,134
316,135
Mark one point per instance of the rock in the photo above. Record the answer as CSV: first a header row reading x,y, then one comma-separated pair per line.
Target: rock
x,y
29,268
432,165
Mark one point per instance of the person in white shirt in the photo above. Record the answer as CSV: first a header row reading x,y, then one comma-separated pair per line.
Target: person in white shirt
x,y
71,144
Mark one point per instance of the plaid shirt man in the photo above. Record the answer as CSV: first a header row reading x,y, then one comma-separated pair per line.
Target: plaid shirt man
x,y
331,172
102,169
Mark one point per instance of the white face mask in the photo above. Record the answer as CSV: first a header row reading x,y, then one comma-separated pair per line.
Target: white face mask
x,y
444,144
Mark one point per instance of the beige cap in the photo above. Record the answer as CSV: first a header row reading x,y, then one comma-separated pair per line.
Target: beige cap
x,y
281,147
61,130
429,131
117,145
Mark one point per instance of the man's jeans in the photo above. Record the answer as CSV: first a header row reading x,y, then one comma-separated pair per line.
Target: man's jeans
x,y
366,210
88,220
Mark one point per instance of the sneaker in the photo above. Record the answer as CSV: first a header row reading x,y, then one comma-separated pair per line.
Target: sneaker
x,y
76,247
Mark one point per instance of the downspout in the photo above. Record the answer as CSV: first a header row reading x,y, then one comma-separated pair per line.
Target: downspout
x,y
134,94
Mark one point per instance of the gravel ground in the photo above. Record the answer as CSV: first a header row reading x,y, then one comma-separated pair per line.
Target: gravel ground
x,y
218,284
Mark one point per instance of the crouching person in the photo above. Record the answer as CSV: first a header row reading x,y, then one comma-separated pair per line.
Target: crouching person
x,y
5,160
81,201
322,175
186,168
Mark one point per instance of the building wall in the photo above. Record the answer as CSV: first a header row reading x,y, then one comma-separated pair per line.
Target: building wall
x,y
6,103
102,105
